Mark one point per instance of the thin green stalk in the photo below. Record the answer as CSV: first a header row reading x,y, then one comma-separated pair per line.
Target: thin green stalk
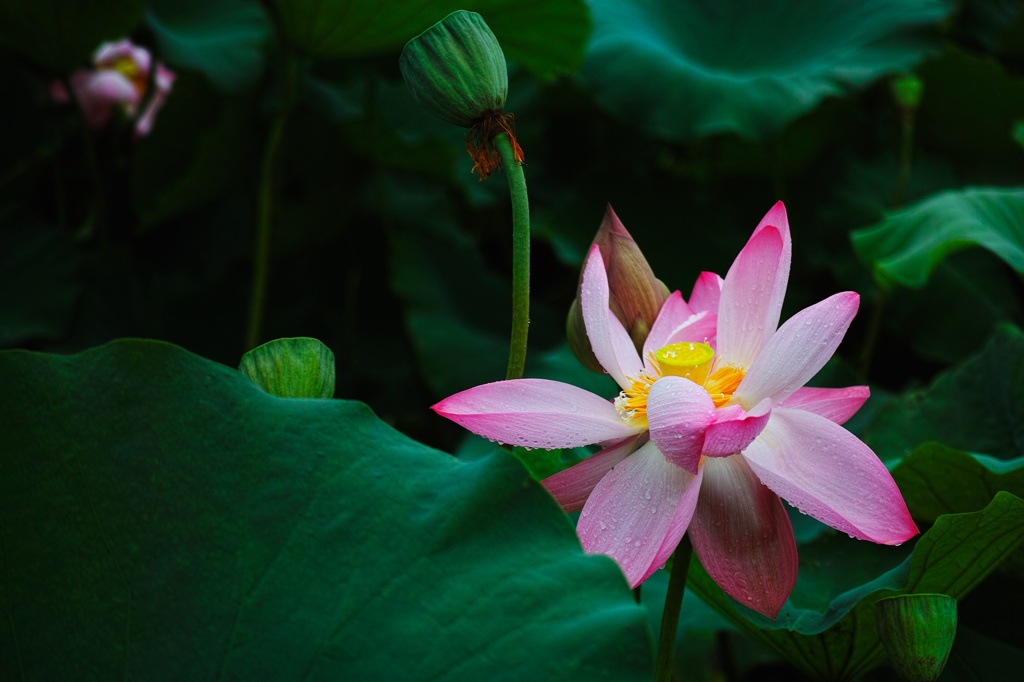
x,y
906,158
867,353
89,146
520,257
673,605
261,254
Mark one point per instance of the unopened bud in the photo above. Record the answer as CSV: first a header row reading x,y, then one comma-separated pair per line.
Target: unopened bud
x,y
907,90
635,294
1017,132
291,368
456,69
917,631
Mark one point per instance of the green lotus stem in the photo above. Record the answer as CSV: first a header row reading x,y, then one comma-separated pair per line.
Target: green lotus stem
x,y
673,605
89,145
906,158
261,254
520,257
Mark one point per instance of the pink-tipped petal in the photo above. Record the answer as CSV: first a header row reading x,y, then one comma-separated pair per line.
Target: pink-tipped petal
x,y
734,430
679,525
742,536
707,291
123,49
638,507
834,404
99,91
798,350
164,80
776,217
535,413
678,413
573,486
702,327
748,312
828,473
608,338
674,313
109,87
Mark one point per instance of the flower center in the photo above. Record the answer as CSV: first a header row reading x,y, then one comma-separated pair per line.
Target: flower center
x,y
127,67
690,360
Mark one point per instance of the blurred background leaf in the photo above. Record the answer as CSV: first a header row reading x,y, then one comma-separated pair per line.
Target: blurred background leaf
x,y
977,406
910,243
224,39
546,37
715,67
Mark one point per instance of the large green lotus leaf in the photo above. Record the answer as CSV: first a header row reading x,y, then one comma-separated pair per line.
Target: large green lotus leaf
x,y
685,69
222,38
937,480
164,518
977,406
841,643
908,244
62,34
547,37
39,281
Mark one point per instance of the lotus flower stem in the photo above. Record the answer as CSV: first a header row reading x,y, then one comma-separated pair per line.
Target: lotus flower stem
x,y
673,605
261,254
89,145
520,256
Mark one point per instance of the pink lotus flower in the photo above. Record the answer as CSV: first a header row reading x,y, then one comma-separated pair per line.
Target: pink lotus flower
x,y
120,79
711,427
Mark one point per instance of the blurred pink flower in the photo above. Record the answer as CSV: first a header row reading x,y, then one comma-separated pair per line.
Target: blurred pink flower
x,y
711,427
120,79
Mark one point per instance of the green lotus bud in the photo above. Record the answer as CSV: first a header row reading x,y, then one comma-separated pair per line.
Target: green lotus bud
x,y
1017,132
907,91
635,294
917,631
456,69
291,368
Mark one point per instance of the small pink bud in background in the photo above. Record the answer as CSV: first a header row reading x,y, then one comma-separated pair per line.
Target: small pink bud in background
x,y
120,79
636,295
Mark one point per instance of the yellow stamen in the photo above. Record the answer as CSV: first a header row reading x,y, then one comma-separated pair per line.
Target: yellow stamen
x,y
722,383
130,70
632,402
693,361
